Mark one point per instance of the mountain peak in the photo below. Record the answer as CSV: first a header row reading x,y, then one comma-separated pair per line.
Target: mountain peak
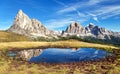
x,y
27,26
91,24
20,12
76,24
74,27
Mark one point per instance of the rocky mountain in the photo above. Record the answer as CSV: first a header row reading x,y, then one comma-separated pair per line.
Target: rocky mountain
x,y
76,29
29,27
34,28
28,54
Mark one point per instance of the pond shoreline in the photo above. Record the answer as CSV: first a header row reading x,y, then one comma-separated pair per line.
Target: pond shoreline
x,y
103,66
98,66
28,54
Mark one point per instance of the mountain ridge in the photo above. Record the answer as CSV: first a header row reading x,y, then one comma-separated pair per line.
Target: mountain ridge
x,y
34,28
76,29
29,27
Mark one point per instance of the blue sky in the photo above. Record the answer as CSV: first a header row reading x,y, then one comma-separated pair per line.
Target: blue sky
x,y
58,14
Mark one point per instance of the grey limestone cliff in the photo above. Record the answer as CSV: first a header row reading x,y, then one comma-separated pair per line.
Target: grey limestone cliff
x,y
76,29
29,27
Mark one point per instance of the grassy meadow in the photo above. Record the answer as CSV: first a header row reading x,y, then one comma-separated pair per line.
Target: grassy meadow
x,y
59,44
10,65
8,37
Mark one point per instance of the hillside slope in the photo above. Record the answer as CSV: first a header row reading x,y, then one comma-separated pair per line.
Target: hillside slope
x,y
11,37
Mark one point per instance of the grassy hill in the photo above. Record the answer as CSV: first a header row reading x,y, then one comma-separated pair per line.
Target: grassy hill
x,y
11,37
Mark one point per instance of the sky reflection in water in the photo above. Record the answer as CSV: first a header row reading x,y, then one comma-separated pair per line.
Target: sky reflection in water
x,y
57,55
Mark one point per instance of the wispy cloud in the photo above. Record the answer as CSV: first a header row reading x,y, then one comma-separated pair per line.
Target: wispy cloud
x,y
94,2
64,6
69,9
80,5
107,9
57,23
82,11
68,18
95,18
107,12
61,3
77,6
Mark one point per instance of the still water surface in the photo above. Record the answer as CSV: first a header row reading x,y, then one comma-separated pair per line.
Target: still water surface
x,y
60,55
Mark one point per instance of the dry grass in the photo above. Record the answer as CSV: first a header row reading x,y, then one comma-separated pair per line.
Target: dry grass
x,y
7,37
10,66
60,44
11,40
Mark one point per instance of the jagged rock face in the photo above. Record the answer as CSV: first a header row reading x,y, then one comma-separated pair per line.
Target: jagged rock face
x,y
74,28
28,54
96,30
90,30
26,26
99,32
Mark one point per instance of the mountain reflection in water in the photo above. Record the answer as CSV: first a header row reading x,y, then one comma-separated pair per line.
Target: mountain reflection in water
x,y
60,55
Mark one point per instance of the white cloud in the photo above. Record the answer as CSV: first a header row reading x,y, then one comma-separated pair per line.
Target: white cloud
x,y
100,13
107,12
80,5
111,15
59,2
93,2
107,9
69,9
96,19
74,17
60,23
74,7
57,23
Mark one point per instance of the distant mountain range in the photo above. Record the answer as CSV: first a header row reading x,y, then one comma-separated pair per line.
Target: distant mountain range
x,y
34,28
91,30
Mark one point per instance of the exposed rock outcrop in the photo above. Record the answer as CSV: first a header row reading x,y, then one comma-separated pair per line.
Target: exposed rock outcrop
x,y
29,27
75,29
28,54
